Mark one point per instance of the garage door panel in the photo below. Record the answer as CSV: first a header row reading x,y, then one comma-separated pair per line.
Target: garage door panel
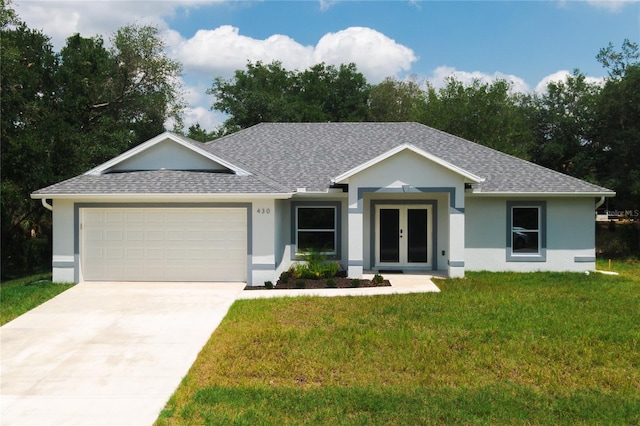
x,y
164,244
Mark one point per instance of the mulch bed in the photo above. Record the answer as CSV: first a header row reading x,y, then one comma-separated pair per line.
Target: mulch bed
x,y
339,282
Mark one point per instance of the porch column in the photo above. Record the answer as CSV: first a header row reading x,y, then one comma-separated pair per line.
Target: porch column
x,y
355,253
456,243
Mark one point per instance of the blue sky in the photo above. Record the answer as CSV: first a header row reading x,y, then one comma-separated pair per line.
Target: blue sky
x,y
526,42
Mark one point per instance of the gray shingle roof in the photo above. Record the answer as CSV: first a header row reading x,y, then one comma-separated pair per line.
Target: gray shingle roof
x,y
160,182
282,157
310,154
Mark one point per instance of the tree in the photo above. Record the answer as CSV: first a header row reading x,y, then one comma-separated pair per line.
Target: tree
x,y
270,93
393,100
562,120
27,93
617,129
197,133
618,63
144,88
486,113
63,114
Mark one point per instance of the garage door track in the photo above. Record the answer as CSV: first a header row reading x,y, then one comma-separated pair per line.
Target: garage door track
x,y
106,353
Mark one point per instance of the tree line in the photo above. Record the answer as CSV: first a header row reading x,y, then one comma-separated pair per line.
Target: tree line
x,y
66,112
585,129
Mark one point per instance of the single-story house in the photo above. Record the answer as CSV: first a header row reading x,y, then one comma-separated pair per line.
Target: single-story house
x,y
374,196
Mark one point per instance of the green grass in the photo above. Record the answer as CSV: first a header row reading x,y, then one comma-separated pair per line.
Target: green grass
x,y
23,294
494,348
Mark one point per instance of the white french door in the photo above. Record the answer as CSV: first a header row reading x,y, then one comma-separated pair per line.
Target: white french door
x,y
403,236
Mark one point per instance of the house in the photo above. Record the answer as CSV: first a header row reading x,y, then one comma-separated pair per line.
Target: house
x,y
374,196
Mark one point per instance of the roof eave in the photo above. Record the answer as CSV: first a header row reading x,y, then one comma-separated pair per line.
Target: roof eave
x,y
169,196
542,194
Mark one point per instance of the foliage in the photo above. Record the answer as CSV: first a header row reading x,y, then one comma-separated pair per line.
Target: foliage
x,y
64,113
355,282
316,266
331,283
378,279
394,100
617,135
27,96
563,119
270,93
486,113
23,294
268,285
197,133
286,275
618,239
300,283
493,348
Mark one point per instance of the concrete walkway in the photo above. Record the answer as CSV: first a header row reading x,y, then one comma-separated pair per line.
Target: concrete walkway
x,y
106,353
113,353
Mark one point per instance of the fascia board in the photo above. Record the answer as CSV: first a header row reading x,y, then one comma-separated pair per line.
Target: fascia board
x,y
169,196
541,194
161,138
470,176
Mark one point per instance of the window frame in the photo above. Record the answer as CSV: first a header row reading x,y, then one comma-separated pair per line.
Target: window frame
x,y
541,255
337,226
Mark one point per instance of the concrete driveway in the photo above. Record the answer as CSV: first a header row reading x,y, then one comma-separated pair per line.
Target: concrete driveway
x,y
106,353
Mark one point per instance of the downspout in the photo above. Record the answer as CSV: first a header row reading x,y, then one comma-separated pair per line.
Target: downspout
x,y
46,205
598,204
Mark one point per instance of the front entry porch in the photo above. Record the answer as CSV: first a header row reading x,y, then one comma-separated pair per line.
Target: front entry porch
x,y
403,236
411,232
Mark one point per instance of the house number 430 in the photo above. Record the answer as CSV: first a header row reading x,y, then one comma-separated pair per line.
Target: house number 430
x,y
264,211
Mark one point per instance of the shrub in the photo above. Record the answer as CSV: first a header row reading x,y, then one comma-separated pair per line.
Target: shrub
x,y
377,279
316,266
285,276
355,282
618,239
268,285
300,283
331,283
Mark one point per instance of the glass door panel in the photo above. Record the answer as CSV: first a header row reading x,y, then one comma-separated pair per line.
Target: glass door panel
x,y
389,247
417,236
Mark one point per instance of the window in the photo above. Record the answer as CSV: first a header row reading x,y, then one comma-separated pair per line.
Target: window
x,y
526,239
316,229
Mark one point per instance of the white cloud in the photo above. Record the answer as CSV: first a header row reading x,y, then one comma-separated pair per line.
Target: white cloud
x,y
610,5
376,55
326,4
440,74
221,51
61,19
561,77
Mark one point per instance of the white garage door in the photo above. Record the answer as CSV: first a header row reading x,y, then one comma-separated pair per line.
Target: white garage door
x,y
164,244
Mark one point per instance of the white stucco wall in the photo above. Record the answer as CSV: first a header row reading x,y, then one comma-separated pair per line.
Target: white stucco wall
x,y
570,234
284,248
263,260
261,263
63,259
167,155
404,176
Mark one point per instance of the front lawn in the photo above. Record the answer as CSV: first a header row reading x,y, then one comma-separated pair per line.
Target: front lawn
x,y
494,348
23,294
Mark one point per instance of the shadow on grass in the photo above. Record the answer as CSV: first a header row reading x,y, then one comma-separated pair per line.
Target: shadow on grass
x,y
496,404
